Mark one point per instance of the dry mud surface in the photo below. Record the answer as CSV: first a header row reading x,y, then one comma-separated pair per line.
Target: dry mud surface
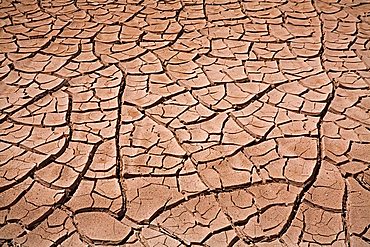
x,y
184,123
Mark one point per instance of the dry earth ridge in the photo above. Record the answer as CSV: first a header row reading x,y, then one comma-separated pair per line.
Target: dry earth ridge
x,y
185,123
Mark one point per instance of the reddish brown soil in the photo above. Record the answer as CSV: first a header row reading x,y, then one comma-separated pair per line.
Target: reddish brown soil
x,y
184,123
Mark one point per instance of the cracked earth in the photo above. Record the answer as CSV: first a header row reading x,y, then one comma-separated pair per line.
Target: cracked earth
x,y
184,123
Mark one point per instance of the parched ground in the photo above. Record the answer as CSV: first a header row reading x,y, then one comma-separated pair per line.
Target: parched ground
x,y
185,123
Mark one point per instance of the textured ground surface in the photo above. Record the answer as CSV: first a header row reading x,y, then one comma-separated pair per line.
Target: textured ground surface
x,y
185,123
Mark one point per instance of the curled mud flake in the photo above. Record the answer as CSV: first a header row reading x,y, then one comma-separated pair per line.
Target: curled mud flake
x,y
101,227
